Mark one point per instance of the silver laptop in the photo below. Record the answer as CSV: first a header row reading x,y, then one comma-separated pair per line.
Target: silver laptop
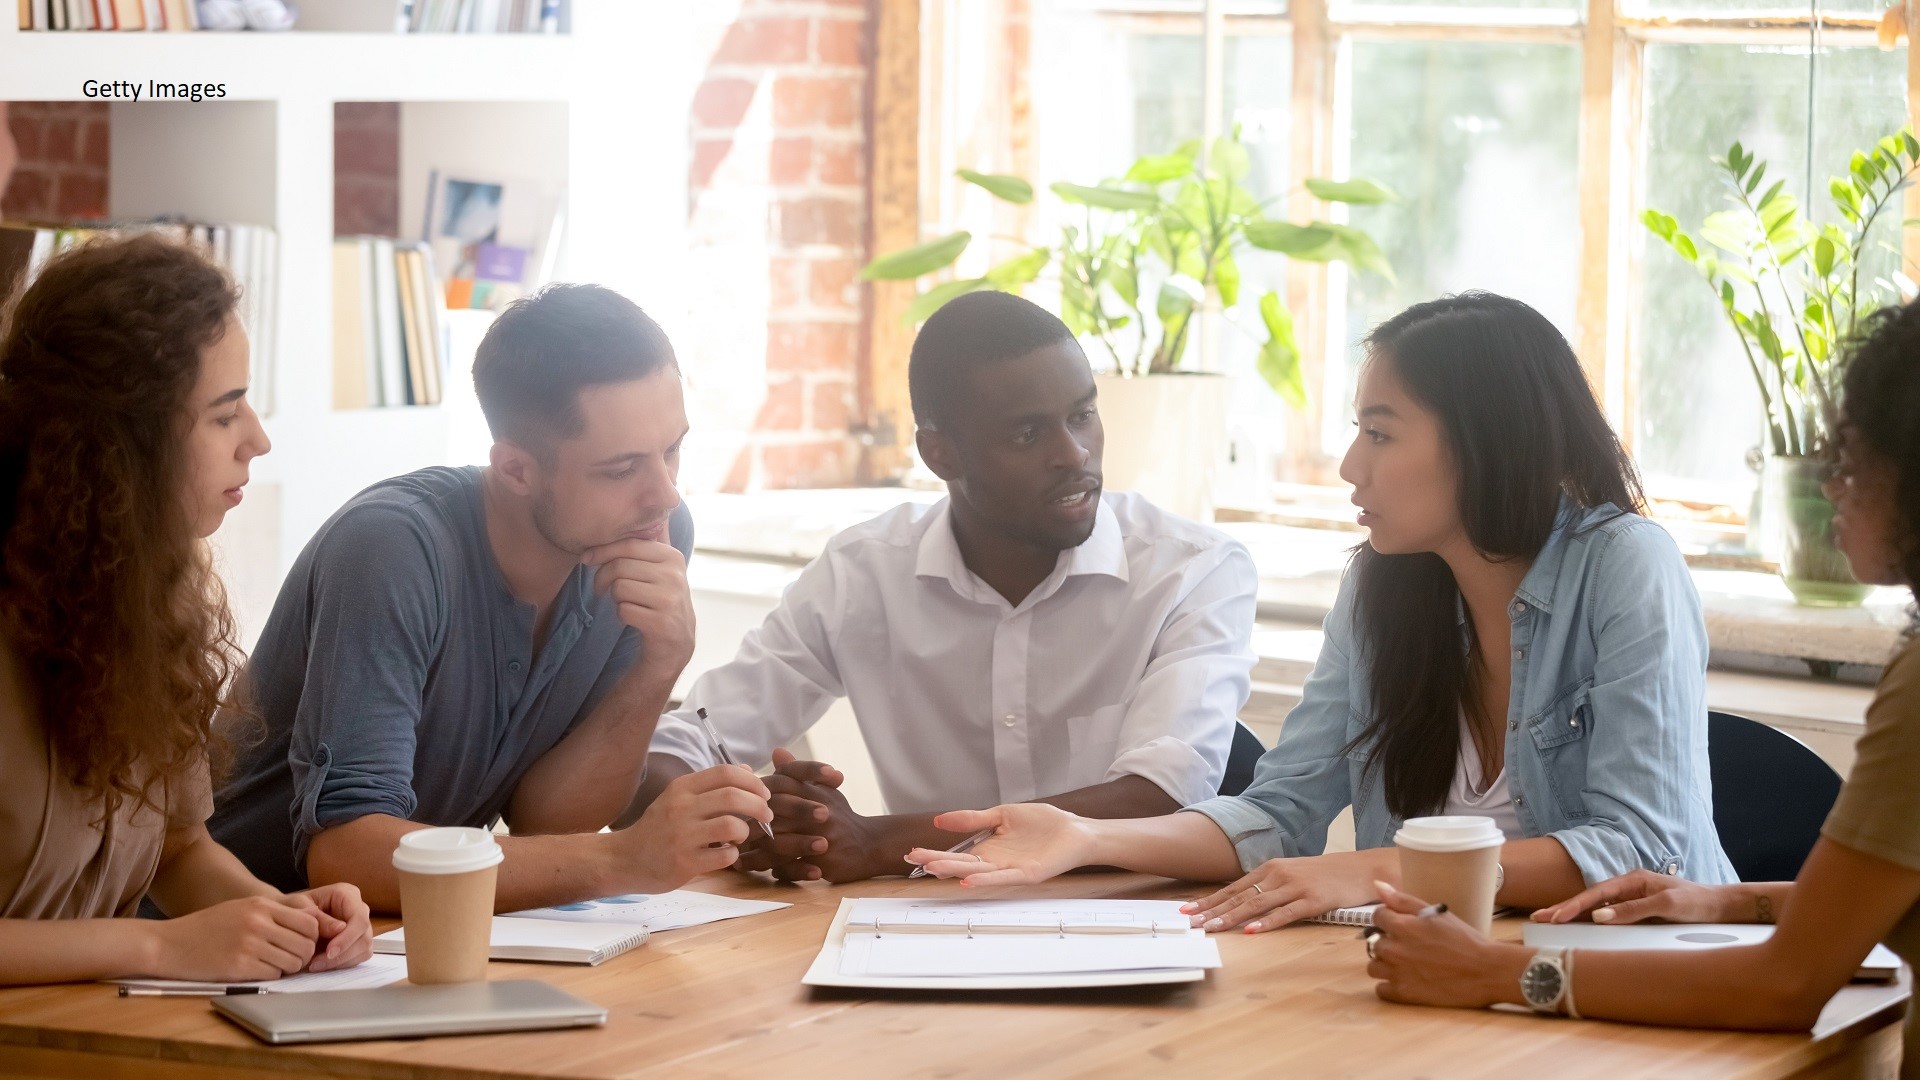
x,y
403,1011
1881,965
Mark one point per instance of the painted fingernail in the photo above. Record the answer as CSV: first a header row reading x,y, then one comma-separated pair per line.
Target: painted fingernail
x,y
1253,928
1189,907
1215,924
1603,915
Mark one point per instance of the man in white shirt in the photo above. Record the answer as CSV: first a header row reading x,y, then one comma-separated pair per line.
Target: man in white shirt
x,y
1027,638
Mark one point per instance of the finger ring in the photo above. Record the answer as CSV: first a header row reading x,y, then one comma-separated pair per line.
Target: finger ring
x,y
1257,888
1370,944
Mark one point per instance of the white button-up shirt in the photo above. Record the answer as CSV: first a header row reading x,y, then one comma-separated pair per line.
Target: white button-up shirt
x,y
1132,658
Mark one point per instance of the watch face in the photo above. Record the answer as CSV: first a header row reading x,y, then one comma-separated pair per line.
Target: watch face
x,y
1541,984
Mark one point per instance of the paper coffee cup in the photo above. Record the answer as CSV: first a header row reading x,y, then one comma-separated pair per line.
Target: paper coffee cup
x,y
446,902
1453,861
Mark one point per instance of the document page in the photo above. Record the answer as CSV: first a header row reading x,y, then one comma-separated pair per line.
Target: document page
x,y
675,910
945,938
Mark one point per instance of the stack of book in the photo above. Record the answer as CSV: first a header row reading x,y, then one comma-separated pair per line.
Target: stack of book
x,y
109,15
250,253
481,16
389,334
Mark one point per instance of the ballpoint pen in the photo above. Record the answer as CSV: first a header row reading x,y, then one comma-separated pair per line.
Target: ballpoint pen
x,y
960,848
186,991
720,751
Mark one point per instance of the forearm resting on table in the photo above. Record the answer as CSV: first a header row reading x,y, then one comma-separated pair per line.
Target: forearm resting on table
x,y
75,950
662,769
592,776
196,872
1539,873
539,871
1190,847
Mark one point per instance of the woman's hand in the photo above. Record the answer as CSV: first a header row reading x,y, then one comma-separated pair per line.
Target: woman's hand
x,y
258,937
1031,843
346,933
1641,895
1437,959
1282,891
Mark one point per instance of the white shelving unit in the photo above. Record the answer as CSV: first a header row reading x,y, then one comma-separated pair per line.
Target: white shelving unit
x,y
598,116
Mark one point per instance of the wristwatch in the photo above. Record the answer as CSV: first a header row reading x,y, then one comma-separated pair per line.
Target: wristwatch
x,y
1547,983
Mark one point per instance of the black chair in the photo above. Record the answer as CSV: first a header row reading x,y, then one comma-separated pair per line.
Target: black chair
x,y
1241,758
1770,796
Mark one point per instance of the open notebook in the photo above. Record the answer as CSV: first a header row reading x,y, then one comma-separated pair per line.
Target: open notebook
x,y
543,940
1010,945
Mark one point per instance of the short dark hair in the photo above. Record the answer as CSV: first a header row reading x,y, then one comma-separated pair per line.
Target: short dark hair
x,y
1880,399
546,348
966,333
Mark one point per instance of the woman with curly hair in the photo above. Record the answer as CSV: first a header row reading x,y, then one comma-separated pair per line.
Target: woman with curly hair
x,y
1860,885
125,437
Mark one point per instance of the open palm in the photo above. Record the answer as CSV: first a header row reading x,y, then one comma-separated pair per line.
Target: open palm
x,y
1032,842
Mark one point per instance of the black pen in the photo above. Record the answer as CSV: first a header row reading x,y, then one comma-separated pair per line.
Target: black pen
x,y
720,751
188,991
1425,912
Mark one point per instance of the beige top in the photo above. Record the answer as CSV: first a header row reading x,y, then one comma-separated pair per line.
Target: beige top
x,y
57,860
1878,812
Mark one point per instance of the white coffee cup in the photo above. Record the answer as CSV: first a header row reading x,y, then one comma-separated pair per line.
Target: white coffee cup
x,y
1453,861
447,879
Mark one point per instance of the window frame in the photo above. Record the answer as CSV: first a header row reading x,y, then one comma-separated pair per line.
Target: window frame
x,y
1611,148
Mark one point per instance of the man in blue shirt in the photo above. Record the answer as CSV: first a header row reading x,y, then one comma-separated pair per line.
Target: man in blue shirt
x,y
461,646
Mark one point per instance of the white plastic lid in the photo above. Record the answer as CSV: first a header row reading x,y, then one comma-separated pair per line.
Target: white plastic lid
x,y
446,851
1449,834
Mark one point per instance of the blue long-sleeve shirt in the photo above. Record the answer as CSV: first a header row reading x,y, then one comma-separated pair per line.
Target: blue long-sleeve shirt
x,y
1606,733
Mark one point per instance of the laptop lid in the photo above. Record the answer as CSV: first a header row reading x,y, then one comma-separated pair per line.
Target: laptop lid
x,y
404,1010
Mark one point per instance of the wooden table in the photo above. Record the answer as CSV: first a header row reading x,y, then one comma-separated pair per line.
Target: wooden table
x,y
725,1000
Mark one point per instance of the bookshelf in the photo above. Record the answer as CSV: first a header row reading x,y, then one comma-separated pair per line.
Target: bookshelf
x,y
511,105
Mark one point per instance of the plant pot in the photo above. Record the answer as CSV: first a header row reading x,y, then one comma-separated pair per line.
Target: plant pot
x,y
1799,525
1166,437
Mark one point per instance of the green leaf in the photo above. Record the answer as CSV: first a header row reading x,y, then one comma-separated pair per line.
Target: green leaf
x,y
1299,241
1659,224
917,260
1279,359
936,298
1362,251
1823,257
1728,230
1008,188
1909,143
1020,269
1754,180
1357,190
1226,278
1229,158
1772,194
1160,168
1178,297
1106,198
1683,245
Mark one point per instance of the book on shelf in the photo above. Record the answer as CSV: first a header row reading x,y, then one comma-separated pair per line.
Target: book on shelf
x,y
482,16
109,15
249,253
389,342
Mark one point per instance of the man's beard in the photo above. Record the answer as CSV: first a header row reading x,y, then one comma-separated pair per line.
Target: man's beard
x,y
544,524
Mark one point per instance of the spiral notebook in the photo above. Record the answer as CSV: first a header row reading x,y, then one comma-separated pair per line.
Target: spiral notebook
x,y
1360,915
543,940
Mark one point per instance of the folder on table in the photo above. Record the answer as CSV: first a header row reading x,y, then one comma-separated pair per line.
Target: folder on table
x,y
936,944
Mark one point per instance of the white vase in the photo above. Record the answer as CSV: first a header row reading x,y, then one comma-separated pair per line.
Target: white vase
x,y
1166,437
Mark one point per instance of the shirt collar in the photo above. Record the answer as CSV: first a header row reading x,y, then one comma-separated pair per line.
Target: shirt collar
x,y
1103,553
1537,587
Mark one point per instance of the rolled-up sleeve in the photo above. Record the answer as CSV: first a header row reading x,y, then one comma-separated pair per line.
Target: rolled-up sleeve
x,y
372,618
1303,783
1178,729
1647,772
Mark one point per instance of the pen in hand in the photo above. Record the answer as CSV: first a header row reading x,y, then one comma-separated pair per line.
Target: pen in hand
x,y
960,848
726,758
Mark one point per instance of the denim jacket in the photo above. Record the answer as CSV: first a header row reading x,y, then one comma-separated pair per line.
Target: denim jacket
x,y
1606,727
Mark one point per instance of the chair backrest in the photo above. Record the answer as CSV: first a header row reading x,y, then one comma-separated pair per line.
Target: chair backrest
x,y
1241,759
1770,796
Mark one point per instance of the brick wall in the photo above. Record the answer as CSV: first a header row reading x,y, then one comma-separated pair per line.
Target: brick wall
x,y
777,191
366,168
62,171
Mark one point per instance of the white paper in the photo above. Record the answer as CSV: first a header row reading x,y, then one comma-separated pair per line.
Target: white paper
x,y
946,938
375,970
657,912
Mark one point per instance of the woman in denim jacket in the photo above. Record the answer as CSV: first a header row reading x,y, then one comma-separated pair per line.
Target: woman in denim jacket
x,y
1513,641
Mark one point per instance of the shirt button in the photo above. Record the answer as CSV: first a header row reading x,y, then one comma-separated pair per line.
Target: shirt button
x,y
1672,868
1519,654
1008,720
514,666
1518,801
1519,607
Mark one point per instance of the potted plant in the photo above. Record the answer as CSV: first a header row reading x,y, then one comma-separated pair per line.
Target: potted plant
x,y
1138,260
1794,292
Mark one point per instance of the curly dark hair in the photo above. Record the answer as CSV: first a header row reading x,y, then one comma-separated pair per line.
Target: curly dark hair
x,y
1880,399
106,595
